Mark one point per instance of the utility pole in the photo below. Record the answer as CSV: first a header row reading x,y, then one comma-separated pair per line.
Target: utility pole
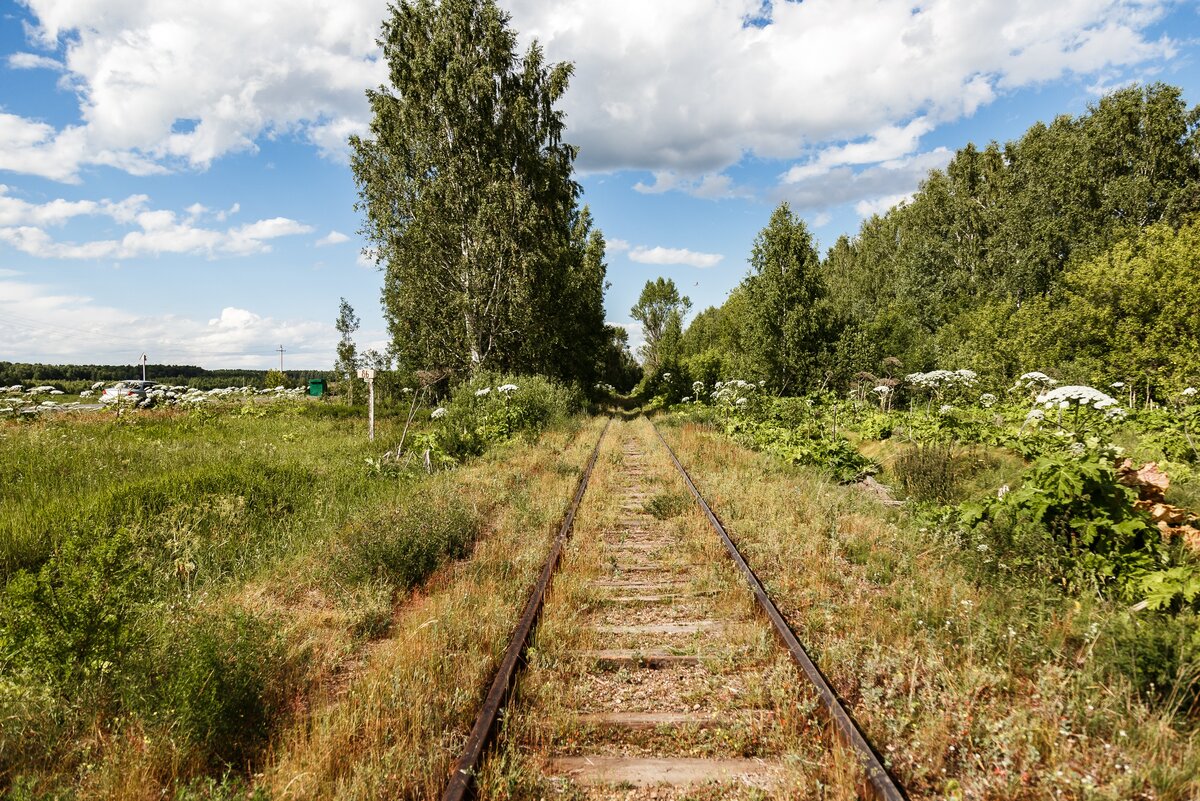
x,y
281,358
143,367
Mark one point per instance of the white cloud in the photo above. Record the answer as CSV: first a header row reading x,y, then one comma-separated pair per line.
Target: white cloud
x,y
616,245
661,255
75,328
28,146
167,83
889,142
686,86
332,238
157,231
710,186
879,205
32,61
895,178
677,87
366,259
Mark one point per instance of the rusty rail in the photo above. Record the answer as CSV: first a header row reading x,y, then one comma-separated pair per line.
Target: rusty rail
x,y
879,780
459,785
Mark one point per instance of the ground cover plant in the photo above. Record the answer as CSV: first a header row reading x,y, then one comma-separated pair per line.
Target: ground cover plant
x,y
177,585
974,679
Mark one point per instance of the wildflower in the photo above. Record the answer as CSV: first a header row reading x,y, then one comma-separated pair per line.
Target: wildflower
x,y
407,390
1000,493
437,413
666,376
741,401
479,393
686,399
945,409
507,388
697,387
1190,392
1062,397
1116,385
987,400
882,390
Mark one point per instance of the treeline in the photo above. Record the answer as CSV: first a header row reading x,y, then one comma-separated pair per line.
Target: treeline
x,y
29,374
1074,249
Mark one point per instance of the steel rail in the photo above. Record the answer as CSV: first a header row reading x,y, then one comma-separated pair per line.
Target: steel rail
x,y
460,782
880,781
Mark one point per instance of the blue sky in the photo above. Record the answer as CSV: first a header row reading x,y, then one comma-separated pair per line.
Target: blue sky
x,y
173,177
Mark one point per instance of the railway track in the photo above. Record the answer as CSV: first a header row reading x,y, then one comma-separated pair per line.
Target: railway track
x,y
656,669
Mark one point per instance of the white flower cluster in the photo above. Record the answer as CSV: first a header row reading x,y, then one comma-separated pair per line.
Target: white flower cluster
x,y
437,413
1190,392
946,409
882,391
479,393
177,396
942,379
987,400
1066,397
603,387
159,395
733,392
16,389
507,389
1035,380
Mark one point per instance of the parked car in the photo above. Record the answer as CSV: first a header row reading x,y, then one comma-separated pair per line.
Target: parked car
x,y
127,391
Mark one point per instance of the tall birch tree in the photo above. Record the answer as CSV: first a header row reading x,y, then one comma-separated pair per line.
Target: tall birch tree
x,y
466,187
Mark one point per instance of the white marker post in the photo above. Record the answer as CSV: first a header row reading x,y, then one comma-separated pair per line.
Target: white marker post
x,y
369,377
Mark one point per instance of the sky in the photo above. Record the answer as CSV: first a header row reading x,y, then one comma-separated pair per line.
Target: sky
x,y
174,176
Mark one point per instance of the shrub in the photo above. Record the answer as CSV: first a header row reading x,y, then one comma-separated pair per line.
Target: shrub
x,y
666,505
929,472
1074,522
74,619
479,413
402,547
223,686
1160,655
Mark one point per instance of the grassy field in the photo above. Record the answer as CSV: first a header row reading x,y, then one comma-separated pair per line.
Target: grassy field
x,y
184,592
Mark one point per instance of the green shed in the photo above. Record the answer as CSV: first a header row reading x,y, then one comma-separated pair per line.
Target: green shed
x,y
316,387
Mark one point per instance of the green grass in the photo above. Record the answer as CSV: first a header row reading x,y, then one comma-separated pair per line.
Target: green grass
x,y
186,577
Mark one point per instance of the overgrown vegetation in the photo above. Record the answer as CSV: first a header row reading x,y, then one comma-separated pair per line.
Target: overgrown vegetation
x,y
132,548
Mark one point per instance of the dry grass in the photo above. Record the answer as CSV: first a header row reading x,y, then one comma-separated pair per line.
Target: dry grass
x,y
393,727
748,670
969,690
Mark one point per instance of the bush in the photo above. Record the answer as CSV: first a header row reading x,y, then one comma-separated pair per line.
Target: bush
x,y
74,620
222,686
403,547
1160,655
1072,521
929,472
479,413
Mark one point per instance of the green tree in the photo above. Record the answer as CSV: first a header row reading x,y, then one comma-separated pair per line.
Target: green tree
x,y
467,192
787,315
347,352
660,309
1130,314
